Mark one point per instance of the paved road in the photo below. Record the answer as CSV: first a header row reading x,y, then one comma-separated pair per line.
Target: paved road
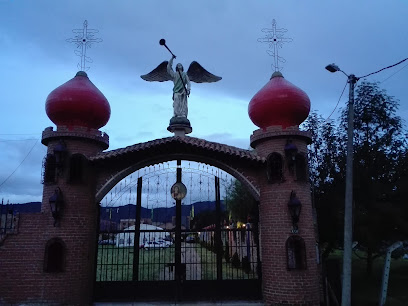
x,y
189,257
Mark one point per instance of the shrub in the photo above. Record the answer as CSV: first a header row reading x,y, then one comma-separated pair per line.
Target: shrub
x,y
246,266
227,254
235,260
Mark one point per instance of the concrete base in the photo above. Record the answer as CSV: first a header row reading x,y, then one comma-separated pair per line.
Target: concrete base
x,y
180,126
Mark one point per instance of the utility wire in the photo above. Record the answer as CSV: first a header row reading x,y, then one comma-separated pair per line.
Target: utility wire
x,y
19,165
384,68
396,64
18,134
337,102
394,74
7,140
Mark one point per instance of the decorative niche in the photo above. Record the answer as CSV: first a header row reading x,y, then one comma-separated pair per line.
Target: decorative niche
x,y
77,168
296,253
275,168
54,257
301,168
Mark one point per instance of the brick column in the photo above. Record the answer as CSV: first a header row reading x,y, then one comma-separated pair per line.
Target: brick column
x,y
282,286
78,224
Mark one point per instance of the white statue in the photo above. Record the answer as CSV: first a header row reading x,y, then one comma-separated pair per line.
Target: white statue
x,y
181,90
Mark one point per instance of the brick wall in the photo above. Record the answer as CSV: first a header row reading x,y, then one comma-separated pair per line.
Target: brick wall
x,y
22,276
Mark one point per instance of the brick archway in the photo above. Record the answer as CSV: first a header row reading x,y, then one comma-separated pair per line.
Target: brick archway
x,y
117,164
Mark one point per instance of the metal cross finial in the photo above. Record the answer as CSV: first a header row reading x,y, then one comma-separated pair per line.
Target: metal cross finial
x,y
83,40
276,40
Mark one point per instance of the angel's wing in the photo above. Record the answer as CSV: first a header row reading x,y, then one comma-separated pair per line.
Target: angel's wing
x,y
198,74
159,74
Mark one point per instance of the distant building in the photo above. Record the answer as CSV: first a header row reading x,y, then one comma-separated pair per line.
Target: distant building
x,y
127,238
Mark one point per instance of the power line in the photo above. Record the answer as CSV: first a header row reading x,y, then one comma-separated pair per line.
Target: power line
x,y
383,68
19,164
18,134
394,74
396,64
337,101
7,140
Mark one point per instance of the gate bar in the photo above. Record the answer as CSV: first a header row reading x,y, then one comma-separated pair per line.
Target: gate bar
x,y
136,239
98,218
178,266
257,243
218,241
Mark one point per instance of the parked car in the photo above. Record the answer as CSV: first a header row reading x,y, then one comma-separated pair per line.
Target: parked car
x,y
168,238
191,239
165,242
154,245
106,242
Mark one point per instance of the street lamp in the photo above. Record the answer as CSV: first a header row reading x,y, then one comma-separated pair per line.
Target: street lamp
x,y
294,206
56,203
348,203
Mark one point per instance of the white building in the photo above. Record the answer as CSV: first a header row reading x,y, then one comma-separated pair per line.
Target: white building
x,y
147,233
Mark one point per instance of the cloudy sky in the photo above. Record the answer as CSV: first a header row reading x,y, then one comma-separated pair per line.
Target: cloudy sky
x,y
360,36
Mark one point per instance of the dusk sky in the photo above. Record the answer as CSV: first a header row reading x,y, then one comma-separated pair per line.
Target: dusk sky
x,y
359,36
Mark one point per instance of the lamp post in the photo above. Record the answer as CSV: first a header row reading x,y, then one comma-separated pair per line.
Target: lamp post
x,y
348,202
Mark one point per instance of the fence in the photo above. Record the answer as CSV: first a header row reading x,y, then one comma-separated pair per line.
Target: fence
x,y
8,221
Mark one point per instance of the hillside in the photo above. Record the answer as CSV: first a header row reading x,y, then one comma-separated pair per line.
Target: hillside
x,y
160,214
115,214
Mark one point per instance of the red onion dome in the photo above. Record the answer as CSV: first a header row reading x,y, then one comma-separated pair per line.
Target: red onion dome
x,y
279,102
78,102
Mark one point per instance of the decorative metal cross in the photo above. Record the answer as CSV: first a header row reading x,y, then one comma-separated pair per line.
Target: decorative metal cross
x,y
84,39
276,40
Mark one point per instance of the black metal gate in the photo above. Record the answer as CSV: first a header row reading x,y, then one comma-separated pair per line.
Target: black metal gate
x,y
179,251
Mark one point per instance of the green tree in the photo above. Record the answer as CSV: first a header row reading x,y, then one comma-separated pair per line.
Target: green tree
x,y
204,219
380,170
378,150
240,203
324,176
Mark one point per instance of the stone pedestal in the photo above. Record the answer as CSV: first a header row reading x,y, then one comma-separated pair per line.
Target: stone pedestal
x,y
180,126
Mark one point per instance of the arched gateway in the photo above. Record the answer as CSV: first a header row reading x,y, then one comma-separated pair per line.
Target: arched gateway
x,y
79,173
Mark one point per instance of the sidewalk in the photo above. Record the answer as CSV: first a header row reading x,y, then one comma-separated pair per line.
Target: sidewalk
x,y
226,303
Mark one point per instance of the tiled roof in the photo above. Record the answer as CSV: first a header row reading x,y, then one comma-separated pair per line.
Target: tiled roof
x,y
181,145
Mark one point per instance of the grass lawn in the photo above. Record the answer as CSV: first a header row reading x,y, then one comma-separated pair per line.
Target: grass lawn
x,y
116,264
366,288
209,267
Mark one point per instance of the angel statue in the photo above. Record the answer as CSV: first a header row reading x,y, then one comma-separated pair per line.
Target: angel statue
x,y
181,90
